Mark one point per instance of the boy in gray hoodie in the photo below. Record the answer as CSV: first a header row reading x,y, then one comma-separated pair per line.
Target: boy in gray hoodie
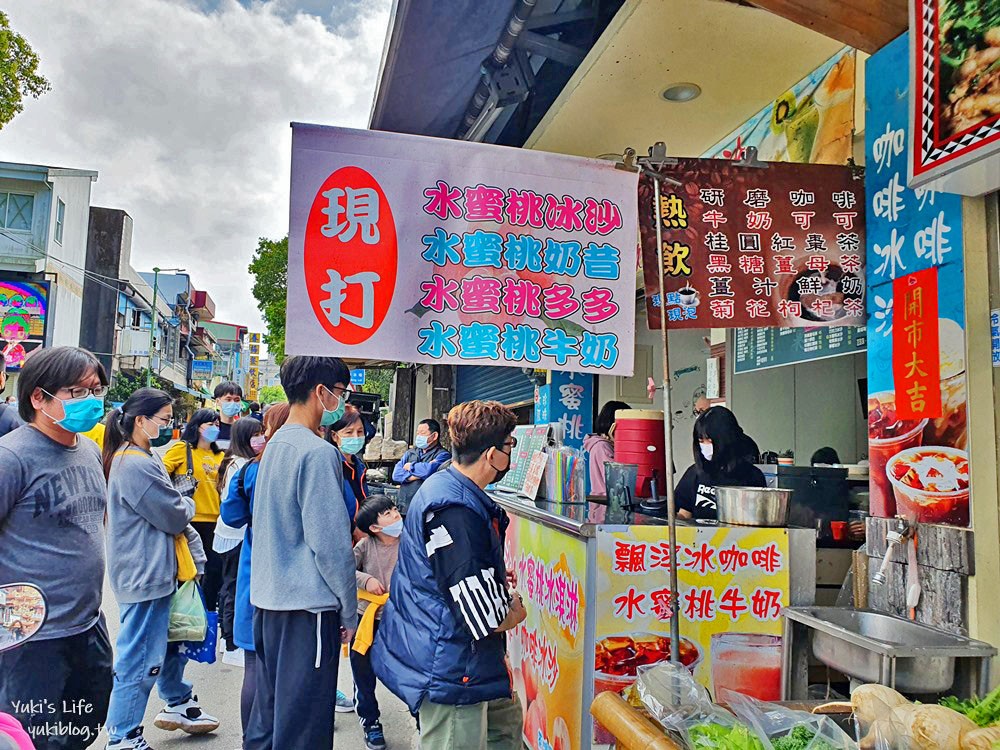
x,y
303,582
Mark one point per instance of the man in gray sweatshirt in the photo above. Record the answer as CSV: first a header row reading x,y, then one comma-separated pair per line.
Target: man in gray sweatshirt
x,y
303,582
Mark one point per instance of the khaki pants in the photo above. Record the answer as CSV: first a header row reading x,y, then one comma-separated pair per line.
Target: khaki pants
x,y
493,725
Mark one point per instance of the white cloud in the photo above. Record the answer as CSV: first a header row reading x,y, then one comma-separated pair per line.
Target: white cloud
x,y
184,111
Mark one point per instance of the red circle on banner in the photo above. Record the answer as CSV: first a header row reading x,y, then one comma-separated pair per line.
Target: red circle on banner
x,y
350,255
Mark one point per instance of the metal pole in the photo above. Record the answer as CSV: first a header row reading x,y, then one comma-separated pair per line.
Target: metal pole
x,y
152,330
668,445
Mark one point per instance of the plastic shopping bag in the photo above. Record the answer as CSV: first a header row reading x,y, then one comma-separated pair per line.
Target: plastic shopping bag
x,y
782,727
204,651
188,619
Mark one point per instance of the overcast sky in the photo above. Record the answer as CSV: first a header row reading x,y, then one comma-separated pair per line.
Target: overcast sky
x,y
183,108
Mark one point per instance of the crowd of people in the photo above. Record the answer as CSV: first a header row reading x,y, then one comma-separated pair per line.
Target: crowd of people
x,y
272,517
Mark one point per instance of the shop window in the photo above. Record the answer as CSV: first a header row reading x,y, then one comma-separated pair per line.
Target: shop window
x,y
16,211
60,219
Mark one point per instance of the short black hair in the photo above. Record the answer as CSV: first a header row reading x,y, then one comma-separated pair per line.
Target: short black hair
x,y
826,455
200,417
432,424
53,369
229,388
606,418
254,406
370,510
302,373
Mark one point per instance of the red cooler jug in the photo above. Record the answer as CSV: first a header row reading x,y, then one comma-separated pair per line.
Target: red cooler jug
x,y
639,440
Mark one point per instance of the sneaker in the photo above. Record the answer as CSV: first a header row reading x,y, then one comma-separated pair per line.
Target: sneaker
x,y
374,736
186,716
344,704
132,741
233,658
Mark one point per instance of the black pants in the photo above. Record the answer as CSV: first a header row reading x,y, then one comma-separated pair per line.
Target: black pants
x,y
249,691
227,594
59,689
298,654
364,685
212,581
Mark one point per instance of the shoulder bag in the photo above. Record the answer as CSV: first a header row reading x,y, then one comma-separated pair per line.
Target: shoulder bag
x,y
186,484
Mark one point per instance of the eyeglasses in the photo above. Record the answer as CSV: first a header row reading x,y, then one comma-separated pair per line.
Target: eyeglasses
x,y
157,417
344,393
80,392
512,444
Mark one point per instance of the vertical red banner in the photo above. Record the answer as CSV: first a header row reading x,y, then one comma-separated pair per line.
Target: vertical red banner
x,y
916,355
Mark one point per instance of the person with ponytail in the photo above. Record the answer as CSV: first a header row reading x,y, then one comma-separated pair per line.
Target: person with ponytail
x,y
228,541
145,515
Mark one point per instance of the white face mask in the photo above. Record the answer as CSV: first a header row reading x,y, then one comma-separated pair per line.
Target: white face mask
x,y
707,450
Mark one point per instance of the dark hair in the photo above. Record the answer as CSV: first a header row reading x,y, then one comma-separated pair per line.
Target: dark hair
x,y
254,406
351,417
606,417
229,388
301,374
477,426
731,446
53,369
274,420
239,447
826,455
191,431
370,510
120,423
432,424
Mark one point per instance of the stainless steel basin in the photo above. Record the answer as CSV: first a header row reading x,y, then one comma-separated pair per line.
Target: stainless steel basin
x,y
876,647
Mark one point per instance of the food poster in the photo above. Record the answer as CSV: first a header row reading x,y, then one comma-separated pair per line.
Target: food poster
x,y
955,99
23,314
775,246
546,651
733,584
811,123
434,251
917,448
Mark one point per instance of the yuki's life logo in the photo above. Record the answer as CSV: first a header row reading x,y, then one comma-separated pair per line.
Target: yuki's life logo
x,y
351,255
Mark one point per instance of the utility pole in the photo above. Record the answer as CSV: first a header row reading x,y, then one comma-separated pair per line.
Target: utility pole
x,y
152,322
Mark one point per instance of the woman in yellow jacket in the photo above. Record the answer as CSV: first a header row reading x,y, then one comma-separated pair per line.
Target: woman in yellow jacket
x,y
199,437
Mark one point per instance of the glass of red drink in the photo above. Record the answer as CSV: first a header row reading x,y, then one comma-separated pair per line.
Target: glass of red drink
x,y
887,436
747,663
931,484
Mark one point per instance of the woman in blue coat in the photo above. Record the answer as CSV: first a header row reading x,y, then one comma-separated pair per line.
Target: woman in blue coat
x,y
348,434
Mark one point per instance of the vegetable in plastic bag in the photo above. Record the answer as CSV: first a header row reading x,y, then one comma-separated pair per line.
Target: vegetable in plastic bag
x,y
872,701
188,621
785,729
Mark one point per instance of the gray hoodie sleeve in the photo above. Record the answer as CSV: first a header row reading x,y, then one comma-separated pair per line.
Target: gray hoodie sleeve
x,y
327,528
197,548
160,504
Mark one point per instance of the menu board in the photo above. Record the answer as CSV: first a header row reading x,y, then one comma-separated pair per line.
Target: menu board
x,y
530,438
742,246
763,348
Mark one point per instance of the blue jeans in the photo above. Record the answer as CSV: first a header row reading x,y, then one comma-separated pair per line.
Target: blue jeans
x,y
143,657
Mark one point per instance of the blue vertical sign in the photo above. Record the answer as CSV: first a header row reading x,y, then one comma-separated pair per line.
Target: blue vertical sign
x,y
907,230
542,411
357,377
571,405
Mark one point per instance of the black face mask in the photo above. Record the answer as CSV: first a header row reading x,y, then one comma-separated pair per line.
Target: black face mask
x,y
501,473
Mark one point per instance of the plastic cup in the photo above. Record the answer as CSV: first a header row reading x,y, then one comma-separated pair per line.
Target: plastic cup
x,y
925,506
882,501
746,663
839,530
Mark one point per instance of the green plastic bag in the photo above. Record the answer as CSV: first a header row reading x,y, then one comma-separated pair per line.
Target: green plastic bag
x,y
188,621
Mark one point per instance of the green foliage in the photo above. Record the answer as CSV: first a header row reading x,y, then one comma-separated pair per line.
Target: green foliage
x,y
378,381
271,394
19,76
269,268
125,385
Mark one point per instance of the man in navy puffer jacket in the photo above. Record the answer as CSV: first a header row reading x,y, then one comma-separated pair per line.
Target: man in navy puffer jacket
x,y
441,647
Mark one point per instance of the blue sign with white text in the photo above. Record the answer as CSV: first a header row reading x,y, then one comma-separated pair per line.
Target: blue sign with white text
x,y
357,377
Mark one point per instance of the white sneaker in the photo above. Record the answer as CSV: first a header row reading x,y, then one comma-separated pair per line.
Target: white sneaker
x,y
132,741
187,716
233,658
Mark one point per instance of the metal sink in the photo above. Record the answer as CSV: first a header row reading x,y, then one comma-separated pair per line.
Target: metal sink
x,y
876,647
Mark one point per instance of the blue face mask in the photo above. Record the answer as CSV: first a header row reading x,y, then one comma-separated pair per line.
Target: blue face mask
x,y
211,433
393,529
352,445
81,414
332,416
421,441
231,408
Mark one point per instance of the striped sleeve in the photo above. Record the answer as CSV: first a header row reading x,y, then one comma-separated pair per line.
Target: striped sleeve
x,y
458,543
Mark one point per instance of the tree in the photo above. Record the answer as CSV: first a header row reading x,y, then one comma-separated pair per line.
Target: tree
x,y
125,385
271,394
19,76
269,268
378,381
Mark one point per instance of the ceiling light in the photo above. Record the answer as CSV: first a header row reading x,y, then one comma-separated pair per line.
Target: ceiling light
x,y
681,92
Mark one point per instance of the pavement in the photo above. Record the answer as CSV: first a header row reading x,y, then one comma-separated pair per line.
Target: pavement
x,y
218,689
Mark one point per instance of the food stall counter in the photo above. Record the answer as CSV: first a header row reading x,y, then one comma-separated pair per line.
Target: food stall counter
x,y
595,582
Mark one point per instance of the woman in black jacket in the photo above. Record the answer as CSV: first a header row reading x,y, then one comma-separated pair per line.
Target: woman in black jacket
x,y
723,457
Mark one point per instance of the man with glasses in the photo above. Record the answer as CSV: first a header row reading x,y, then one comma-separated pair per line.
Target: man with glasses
x,y
52,503
303,585
452,598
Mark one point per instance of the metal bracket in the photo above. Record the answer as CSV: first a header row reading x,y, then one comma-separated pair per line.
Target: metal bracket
x,y
750,159
551,49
